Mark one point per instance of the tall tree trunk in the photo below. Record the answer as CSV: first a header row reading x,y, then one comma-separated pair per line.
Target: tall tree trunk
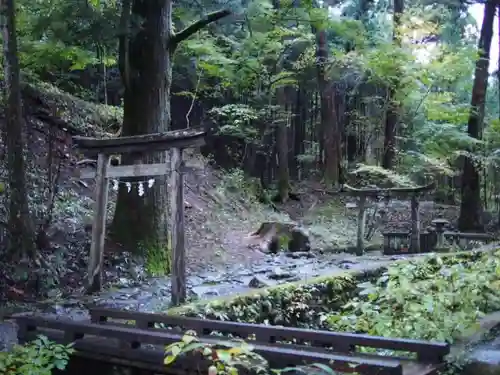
x,y
370,133
299,138
329,125
495,172
145,57
470,208
328,115
498,64
282,136
282,147
391,118
20,225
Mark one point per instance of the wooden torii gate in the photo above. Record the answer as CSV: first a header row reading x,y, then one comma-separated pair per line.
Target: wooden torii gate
x,y
172,143
404,192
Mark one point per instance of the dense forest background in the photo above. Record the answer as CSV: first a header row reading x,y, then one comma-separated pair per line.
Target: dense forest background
x,y
364,92
303,101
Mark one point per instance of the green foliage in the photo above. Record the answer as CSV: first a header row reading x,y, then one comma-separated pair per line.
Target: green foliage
x,y
228,357
283,242
371,174
246,63
254,64
38,357
236,120
440,298
277,48
78,114
57,35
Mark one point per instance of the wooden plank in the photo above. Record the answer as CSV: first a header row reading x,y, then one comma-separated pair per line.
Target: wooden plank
x,y
390,192
409,366
179,289
92,142
144,148
283,356
143,143
135,170
94,276
435,351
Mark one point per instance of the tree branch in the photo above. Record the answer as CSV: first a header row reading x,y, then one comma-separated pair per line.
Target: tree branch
x,y
197,26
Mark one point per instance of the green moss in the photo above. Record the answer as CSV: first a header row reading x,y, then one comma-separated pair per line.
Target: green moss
x,y
296,304
158,259
83,116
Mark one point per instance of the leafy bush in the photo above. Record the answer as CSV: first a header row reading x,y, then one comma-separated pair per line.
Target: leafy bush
x,y
235,182
439,298
39,357
225,358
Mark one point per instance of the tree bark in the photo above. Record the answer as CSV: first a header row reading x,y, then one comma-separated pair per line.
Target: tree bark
x,y
146,68
391,118
329,125
282,148
282,137
470,208
20,225
328,116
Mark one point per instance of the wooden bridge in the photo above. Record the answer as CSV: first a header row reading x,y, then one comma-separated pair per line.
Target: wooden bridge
x,y
137,340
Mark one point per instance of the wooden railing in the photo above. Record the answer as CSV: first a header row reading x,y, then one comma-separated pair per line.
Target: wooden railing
x,y
137,340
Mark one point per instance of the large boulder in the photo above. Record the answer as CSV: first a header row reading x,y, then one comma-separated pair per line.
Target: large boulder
x,y
273,237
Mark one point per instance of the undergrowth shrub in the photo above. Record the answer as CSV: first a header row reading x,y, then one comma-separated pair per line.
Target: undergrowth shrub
x,y
227,358
439,298
235,182
38,357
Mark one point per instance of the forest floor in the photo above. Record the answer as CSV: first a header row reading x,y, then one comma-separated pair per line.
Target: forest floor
x,y
218,218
